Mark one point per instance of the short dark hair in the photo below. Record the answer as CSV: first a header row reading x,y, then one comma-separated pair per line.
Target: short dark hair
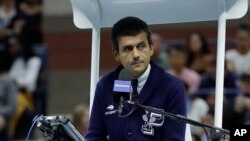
x,y
129,26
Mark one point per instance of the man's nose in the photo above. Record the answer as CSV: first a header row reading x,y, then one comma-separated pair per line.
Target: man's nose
x,y
136,53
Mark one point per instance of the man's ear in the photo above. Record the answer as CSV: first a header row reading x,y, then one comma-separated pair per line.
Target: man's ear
x,y
116,54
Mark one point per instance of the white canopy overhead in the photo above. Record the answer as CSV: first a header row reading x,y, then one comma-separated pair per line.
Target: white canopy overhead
x,y
97,14
107,12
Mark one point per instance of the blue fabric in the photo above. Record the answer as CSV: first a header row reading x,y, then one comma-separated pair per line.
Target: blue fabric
x,y
161,90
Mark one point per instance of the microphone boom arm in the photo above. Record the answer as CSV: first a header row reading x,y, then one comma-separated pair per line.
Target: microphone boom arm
x,y
216,132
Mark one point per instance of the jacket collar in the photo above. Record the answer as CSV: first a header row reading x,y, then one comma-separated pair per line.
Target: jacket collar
x,y
153,81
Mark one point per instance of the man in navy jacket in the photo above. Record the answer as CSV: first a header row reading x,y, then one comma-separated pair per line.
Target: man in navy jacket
x,y
133,48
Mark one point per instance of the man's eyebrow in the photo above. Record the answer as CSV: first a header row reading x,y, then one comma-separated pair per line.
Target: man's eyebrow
x,y
132,45
142,42
126,46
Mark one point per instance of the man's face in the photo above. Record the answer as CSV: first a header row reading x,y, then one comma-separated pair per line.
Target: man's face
x,y
134,53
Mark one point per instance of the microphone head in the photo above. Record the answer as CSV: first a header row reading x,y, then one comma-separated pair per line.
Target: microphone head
x,y
122,86
125,75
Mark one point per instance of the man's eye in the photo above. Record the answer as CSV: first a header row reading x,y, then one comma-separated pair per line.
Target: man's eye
x,y
127,49
141,46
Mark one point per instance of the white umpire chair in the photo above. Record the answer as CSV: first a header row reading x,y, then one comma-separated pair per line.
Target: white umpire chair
x,y
188,135
96,14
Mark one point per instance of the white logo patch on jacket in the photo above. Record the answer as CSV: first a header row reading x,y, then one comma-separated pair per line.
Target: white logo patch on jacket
x,y
110,110
151,120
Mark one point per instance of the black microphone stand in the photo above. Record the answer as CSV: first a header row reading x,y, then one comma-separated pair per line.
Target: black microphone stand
x,y
216,134
58,128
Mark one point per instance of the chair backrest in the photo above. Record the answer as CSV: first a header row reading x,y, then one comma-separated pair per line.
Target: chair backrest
x,y
188,135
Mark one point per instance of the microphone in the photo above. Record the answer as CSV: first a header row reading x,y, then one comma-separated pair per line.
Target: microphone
x,y
122,89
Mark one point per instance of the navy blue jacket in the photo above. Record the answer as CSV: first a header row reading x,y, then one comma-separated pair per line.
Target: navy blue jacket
x,y
161,90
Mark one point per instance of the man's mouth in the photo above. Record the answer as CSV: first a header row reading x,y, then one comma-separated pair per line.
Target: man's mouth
x,y
138,62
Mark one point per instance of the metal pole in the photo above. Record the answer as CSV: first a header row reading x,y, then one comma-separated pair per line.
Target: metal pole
x,y
95,58
221,39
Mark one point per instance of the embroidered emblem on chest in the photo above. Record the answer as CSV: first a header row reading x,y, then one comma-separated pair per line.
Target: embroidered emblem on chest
x,y
151,120
110,110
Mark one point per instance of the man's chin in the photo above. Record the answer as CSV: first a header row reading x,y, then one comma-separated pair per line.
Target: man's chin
x,y
138,71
